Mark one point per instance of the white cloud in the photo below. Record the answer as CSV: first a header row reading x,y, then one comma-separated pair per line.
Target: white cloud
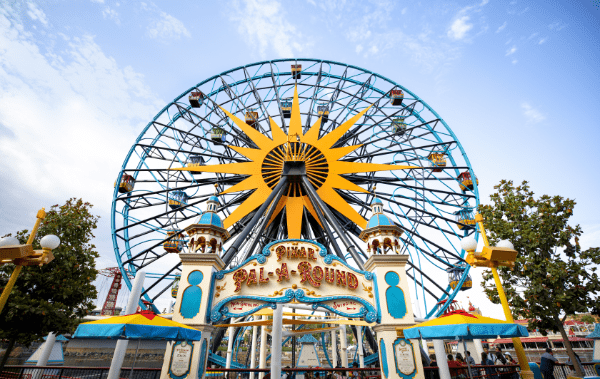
x,y
112,14
76,111
404,10
514,61
264,24
511,51
532,115
501,28
97,1
558,25
374,49
359,48
543,40
167,27
37,14
459,28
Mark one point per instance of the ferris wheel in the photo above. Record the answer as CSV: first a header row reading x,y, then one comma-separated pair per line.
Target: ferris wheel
x,y
360,137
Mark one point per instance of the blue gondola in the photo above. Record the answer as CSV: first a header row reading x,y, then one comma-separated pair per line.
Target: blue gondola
x,y
177,199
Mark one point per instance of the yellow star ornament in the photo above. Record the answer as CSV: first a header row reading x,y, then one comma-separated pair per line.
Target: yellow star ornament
x,y
322,163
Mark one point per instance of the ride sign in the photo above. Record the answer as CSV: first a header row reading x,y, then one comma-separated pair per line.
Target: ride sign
x,y
290,270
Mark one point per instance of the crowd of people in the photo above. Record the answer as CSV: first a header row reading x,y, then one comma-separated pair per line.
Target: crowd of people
x,y
490,366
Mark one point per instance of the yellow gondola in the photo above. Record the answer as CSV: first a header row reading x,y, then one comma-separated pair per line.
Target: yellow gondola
x,y
437,160
174,244
252,118
127,183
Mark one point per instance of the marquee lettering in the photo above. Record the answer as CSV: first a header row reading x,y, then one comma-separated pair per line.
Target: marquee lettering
x,y
291,252
314,275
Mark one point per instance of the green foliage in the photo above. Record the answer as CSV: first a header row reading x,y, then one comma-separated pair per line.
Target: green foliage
x,y
553,276
54,297
588,318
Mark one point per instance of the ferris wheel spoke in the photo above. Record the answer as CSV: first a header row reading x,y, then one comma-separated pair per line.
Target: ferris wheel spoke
x,y
167,213
412,266
423,286
146,290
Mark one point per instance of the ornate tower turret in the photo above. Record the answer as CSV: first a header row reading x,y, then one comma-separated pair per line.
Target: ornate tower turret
x,y
381,234
207,234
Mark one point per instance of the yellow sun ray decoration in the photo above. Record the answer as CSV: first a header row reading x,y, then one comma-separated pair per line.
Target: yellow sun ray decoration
x,y
322,164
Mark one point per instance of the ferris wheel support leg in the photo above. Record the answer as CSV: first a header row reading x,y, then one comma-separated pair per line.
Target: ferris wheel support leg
x,y
349,245
233,249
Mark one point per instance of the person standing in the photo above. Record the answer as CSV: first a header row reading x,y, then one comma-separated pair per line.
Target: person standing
x,y
471,362
490,372
547,364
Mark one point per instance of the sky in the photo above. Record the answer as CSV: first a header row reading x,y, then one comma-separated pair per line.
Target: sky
x,y
516,81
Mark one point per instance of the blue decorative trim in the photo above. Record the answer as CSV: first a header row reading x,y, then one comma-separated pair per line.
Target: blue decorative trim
x,y
189,364
383,359
396,342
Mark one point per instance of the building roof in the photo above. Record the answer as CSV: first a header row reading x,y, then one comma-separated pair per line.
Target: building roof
x,y
596,333
379,220
209,218
214,198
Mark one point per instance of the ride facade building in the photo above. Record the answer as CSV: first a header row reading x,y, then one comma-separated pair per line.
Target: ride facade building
x,y
329,187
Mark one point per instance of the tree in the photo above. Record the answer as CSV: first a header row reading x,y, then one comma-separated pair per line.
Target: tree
x,y
54,297
587,318
553,276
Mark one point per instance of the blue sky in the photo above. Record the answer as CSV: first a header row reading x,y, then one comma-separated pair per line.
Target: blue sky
x,y
516,81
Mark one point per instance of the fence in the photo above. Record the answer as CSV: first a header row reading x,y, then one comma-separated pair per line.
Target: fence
x,y
293,373
561,371
60,372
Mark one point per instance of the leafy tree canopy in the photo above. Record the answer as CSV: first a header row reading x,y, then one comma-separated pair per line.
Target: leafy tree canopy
x,y
553,276
54,297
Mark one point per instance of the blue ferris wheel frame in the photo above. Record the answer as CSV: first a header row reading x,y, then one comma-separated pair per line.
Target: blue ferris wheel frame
x,y
434,312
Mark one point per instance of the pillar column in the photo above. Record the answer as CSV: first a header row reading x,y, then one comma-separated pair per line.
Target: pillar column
x,y
333,348
253,350
441,359
263,348
359,347
344,346
276,340
399,357
188,359
229,347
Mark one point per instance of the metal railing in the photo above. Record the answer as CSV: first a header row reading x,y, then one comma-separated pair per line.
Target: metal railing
x,y
296,373
62,372
561,371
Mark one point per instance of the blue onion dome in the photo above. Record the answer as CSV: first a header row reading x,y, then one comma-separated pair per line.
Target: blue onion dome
x,y
376,201
214,198
379,219
209,218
